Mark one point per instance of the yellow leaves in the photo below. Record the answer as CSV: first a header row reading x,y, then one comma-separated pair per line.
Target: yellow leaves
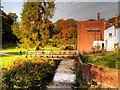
x,y
89,83
50,62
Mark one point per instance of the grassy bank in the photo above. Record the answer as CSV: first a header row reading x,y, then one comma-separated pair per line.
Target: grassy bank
x,y
110,60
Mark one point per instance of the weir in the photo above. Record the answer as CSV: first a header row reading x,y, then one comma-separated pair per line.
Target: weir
x,y
64,76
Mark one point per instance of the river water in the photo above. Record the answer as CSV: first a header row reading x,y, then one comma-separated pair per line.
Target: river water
x,y
64,77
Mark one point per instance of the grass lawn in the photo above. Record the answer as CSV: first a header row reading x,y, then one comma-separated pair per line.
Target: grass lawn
x,y
111,60
6,60
48,47
3,55
15,51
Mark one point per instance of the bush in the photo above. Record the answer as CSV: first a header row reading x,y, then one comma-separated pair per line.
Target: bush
x,y
69,48
95,48
116,46
27,73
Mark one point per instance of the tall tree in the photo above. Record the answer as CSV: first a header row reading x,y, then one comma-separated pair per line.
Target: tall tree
x,y
35,25
13,17
7,21
67,31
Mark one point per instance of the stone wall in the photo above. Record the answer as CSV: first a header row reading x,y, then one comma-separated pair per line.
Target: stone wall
x,y
105,76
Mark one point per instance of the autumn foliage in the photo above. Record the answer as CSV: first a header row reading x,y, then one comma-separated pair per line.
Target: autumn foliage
x,y
67,31
27,73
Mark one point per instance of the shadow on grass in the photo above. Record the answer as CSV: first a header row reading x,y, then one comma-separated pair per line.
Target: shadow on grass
x,y
3,55
15,53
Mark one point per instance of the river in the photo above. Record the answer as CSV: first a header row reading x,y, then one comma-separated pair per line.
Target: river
x,y
64,76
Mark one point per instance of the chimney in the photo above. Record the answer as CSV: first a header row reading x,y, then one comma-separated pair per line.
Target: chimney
x,y
98,16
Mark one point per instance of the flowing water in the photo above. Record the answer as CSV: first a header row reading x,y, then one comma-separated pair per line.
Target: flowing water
x,y
64,77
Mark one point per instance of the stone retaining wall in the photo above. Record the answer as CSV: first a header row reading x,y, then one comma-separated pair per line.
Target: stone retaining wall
x,y
106,76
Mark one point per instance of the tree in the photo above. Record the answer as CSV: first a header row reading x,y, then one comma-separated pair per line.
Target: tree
x,y
34,29
7,21
91,20
13,17
112,20
67,31
57,27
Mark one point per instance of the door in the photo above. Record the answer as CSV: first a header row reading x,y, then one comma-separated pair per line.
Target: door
x,y
102,46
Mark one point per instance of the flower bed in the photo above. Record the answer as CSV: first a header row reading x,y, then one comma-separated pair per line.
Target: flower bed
x,y
26,73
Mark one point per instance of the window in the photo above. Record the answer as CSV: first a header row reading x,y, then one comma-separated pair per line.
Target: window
x,y
110,34
100,36
93,30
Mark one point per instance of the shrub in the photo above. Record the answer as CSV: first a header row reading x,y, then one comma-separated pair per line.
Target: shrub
x,y
116,46
95,48
69,48
25,73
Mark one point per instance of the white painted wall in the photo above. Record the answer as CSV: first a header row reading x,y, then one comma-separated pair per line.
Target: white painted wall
x,y
110,41
97,42
119,37
107,31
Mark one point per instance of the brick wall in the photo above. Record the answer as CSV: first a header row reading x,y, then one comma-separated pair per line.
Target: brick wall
x,y
85,38
106,76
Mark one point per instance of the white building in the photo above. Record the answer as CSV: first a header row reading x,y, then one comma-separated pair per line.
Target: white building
x,y
111,37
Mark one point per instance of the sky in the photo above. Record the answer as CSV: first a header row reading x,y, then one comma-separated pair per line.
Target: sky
x,y
76,9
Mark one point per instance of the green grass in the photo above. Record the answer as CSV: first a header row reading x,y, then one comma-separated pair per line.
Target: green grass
x,y
111,60
3,55
6,60
48,47
14,51
8,48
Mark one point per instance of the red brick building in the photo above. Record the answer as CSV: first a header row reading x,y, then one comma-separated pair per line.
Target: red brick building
x,y
89,31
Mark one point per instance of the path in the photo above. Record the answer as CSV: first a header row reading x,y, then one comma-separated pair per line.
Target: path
x,y
64,77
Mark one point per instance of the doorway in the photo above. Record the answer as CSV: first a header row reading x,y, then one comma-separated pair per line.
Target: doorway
x,y
102,46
